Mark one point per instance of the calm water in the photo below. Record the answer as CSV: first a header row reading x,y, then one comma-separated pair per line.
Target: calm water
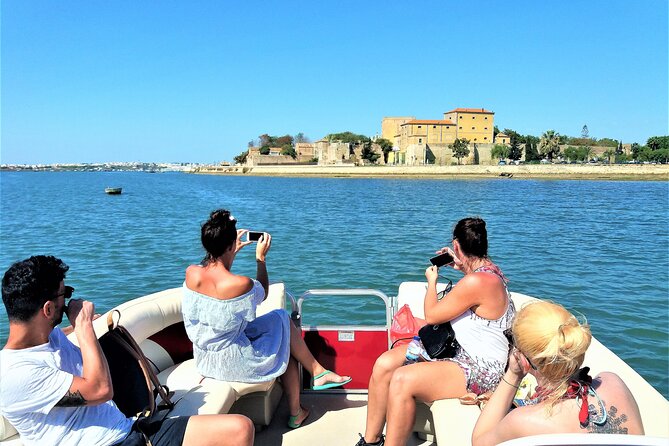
x,y
600,248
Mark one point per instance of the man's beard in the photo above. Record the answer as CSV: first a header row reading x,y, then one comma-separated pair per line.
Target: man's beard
x,y
58,320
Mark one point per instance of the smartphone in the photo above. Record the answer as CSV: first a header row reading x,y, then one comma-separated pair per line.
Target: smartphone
x,y
253,236
441,259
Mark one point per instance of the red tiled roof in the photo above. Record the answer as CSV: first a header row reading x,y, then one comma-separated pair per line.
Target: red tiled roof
x,y
430,121
471,110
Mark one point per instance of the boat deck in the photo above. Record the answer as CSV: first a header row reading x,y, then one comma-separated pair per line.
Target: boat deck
x,y
334,420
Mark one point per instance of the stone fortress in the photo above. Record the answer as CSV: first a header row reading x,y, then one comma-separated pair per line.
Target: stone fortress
x,y
426,141
415,142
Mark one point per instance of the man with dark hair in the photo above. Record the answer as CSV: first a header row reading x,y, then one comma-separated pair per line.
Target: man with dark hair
x,y
55,393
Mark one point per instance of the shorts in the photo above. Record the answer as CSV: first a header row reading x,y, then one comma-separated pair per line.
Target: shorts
x,y
165,432
481,375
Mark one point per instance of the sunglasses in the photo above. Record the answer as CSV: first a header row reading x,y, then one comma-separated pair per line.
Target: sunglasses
x,y
442,293
67,293
512,343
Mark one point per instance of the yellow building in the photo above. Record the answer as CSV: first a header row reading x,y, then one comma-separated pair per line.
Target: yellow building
x,y
390,128
426,131
502,138
474,124
419,141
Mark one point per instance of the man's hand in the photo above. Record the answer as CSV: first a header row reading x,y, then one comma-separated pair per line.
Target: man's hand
x,y
81,312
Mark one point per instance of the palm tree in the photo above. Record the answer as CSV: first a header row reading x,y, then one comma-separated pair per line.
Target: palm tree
x,y
609,154
587,151
549,144
499,151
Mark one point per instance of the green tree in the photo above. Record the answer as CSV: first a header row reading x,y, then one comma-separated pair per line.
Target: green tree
x,y
264,150
531,153
288,149
608,154
607,142
585,133
368,153
549,145
386,147
460,148
571,153
515,152
347,137
299,138
241,158
636,150
499,151
658,142
587,153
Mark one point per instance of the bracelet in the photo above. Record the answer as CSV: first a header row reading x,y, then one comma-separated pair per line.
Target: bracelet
x,y
515,387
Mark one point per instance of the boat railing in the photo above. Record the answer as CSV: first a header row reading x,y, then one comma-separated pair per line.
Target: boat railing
x,y
349,292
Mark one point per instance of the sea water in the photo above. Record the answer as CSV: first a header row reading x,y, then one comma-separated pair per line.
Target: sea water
x,y
601,248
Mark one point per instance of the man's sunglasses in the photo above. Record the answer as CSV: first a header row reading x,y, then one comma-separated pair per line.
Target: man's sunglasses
x,y
67,293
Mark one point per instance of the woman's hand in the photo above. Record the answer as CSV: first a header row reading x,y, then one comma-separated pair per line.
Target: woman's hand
x,y
518,363
240,243
264,244
457,263
432,274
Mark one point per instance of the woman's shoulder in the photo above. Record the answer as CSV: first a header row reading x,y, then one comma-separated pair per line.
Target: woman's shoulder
x,y
230,286
480,280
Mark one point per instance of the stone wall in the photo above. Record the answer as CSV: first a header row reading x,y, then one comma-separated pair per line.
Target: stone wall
x,y
275,160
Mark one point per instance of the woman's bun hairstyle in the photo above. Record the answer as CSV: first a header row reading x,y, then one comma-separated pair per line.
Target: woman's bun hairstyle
x,y
554,341
472,235
218,234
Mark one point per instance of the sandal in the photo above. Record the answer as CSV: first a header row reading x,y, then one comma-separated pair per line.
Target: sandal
x,y
327,385
292,420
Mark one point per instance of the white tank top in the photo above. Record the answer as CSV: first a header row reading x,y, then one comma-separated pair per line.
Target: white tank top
x,y
484,338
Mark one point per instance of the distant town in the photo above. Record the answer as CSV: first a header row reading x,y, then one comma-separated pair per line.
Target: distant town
x,y
110,167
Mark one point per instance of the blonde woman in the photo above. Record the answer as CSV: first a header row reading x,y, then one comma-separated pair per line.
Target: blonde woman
x,y
550,343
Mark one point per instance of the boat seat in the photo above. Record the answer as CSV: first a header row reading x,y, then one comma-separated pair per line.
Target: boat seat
x,y
156,323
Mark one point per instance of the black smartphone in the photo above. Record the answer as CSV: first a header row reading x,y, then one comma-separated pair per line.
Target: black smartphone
x,y
253,236
441,259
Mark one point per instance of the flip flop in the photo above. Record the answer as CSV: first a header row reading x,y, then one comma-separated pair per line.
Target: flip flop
x,y
327,385
292,420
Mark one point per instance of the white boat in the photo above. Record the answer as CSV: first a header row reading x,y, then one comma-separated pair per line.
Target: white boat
x,y
337,415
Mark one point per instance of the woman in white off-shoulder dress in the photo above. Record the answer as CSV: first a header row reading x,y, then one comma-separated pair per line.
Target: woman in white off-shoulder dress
x,y
219,311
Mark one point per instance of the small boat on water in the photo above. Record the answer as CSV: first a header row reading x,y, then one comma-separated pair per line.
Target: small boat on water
x,y
113,190
337,415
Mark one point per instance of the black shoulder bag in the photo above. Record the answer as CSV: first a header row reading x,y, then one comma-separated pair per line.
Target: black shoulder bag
x,y
439,340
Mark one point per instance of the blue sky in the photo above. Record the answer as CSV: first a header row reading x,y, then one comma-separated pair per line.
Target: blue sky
x,y
194,81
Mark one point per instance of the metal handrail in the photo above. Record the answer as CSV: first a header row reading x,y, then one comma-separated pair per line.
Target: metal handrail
x,y
348,292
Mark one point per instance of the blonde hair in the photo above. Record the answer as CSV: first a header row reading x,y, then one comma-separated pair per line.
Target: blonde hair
x,y
554,341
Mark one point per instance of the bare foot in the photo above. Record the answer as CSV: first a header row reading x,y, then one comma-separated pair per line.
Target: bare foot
x,y
330,377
